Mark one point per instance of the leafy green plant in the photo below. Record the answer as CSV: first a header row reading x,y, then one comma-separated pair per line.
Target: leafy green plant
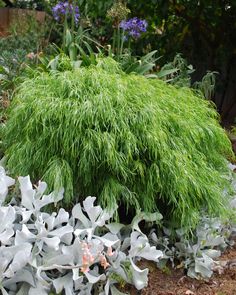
x,y
83,50
19,50
207,85
12,65
178,72
123,138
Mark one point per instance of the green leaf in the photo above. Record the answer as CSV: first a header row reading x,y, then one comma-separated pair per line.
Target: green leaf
x,y
164,73
68,38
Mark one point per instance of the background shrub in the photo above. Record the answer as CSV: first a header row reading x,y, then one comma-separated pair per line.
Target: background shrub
x,y
123,138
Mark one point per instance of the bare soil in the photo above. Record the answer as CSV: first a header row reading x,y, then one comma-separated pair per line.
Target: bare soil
x,y
175,281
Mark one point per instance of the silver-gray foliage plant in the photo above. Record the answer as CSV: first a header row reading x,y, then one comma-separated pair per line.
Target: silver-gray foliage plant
x,y
81,253
199,255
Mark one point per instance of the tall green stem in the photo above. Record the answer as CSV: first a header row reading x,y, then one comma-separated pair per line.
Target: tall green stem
x,y
72,49
64,32
114,42
129,44
118,43
122,42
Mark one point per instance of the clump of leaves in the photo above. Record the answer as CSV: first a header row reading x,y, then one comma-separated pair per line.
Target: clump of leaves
x,y
123,138
67,253
207,84
181,76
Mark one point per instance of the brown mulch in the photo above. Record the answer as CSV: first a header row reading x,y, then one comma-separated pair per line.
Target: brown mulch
x,y
175,281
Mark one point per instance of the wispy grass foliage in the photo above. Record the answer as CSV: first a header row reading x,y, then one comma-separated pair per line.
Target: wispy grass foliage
x,y
123,138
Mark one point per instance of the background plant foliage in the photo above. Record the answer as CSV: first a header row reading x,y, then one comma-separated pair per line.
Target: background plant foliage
x,y
123,138
203,31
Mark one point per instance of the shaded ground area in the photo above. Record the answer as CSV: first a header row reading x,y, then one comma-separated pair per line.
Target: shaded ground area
x,y
175,282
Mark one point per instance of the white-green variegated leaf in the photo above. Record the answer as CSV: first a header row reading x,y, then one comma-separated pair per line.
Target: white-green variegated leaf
x,y
139,276
4,261
192,273
61,231
150,253
32,199
77,213
109,240
85,231
94,279
52,242
212,253
39,289
96,215
118,259
20,257
23,275
40,189
67,238
203,266
115,291
92,211
77,276
48,199
149,217
5,182
24,289
64,283
24,236
106,288
62,217
126,244
215,241
59,259
140,247
105,216
114,228
5,236
26,214
27,192
75,250
184,247
8,216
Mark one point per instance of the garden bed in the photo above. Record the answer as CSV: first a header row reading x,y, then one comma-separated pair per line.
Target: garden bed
x,y
175,282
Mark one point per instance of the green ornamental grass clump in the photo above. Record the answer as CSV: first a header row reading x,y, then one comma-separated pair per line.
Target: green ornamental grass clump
x,y
122,138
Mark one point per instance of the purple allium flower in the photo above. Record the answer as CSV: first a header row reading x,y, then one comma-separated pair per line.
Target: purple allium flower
x,y
63,7
134,27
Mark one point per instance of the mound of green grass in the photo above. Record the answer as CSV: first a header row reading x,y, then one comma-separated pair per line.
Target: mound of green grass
x,y
122,138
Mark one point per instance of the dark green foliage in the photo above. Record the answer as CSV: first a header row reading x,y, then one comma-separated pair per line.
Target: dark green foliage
x,y
203,31
123,138
19,50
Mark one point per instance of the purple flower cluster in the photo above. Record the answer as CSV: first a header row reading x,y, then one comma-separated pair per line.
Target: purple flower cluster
x,y
60,9
134,27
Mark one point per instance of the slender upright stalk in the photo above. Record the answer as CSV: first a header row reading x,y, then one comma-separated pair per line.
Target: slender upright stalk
x,y
129,44
118,43
114,42
122,42
64,31
73,18
72,49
